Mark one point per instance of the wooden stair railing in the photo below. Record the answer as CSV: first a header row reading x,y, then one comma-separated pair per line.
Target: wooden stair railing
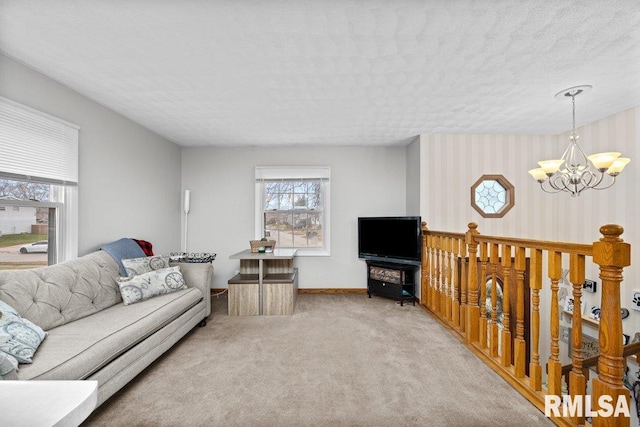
x,y
628,350
459,269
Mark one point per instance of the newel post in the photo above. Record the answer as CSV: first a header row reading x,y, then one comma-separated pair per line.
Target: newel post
x,y
612,255
473,317
424,276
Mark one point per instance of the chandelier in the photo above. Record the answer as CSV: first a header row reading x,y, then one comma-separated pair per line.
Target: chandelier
x,y
575,172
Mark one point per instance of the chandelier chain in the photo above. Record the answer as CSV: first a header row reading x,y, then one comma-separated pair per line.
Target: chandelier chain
x,y
573,102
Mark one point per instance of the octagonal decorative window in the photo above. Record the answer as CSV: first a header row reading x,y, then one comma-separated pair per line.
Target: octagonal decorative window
x,y
492,196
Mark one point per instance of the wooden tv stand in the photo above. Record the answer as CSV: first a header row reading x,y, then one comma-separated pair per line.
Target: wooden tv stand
x,y
392,280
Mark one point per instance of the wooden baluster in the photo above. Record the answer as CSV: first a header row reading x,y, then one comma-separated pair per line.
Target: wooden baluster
x,y
473,312
424,271
535,370
494,328
450,287
464,285
438,282
577,382
506,302
554,367
434,279
612,255
456,283
483,295
520,346
444,286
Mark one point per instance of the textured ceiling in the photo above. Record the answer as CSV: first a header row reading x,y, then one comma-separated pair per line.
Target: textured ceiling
x,y
334,72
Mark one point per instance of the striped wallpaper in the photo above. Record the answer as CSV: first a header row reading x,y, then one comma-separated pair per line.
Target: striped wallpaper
x,y
450,164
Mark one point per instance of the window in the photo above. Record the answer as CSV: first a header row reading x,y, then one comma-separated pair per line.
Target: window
x,y
38,186
28,223
292,207
492,196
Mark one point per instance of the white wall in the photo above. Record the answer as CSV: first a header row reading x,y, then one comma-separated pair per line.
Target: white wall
x,y
365,181
413,177
129,183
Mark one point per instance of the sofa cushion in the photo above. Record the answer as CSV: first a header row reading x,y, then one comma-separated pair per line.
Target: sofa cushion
x,y
78,349
136,266
18,337
151,284
54,295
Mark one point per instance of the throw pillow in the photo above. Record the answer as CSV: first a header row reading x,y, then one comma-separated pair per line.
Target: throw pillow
x,y
136,266
8,363
151,284
19,337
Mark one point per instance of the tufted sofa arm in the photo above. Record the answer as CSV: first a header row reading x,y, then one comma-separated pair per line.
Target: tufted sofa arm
x,y
198,275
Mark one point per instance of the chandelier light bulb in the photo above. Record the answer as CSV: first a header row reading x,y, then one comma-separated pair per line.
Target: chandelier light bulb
x,y
602,161
538,174
550,166
617,166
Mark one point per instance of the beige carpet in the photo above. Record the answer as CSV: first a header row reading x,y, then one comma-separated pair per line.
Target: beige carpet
x,y
340,360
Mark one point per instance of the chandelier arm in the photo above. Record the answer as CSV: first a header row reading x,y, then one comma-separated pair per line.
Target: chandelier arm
x,y
613,181
552,183
547,191
587,179
560,182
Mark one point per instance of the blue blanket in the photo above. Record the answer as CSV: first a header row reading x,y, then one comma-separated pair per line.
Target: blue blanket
x,y
123,249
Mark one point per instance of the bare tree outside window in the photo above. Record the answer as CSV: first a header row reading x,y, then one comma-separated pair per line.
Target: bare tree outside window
x,y
24,190
293,213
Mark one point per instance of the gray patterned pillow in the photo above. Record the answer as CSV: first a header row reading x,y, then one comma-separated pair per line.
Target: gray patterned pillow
x,y
19,337
136,266
151,284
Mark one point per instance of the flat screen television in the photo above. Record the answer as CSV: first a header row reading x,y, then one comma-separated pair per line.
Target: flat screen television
x,y
392,239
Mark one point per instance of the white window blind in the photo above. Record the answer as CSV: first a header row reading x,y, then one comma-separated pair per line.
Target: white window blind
x,y
268,173
35,146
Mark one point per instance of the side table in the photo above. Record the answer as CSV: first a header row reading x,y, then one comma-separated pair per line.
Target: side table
x,y
47,403
267,283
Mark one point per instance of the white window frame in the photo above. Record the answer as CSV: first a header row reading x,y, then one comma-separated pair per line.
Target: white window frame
x,y
64,200
38,147
323,173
